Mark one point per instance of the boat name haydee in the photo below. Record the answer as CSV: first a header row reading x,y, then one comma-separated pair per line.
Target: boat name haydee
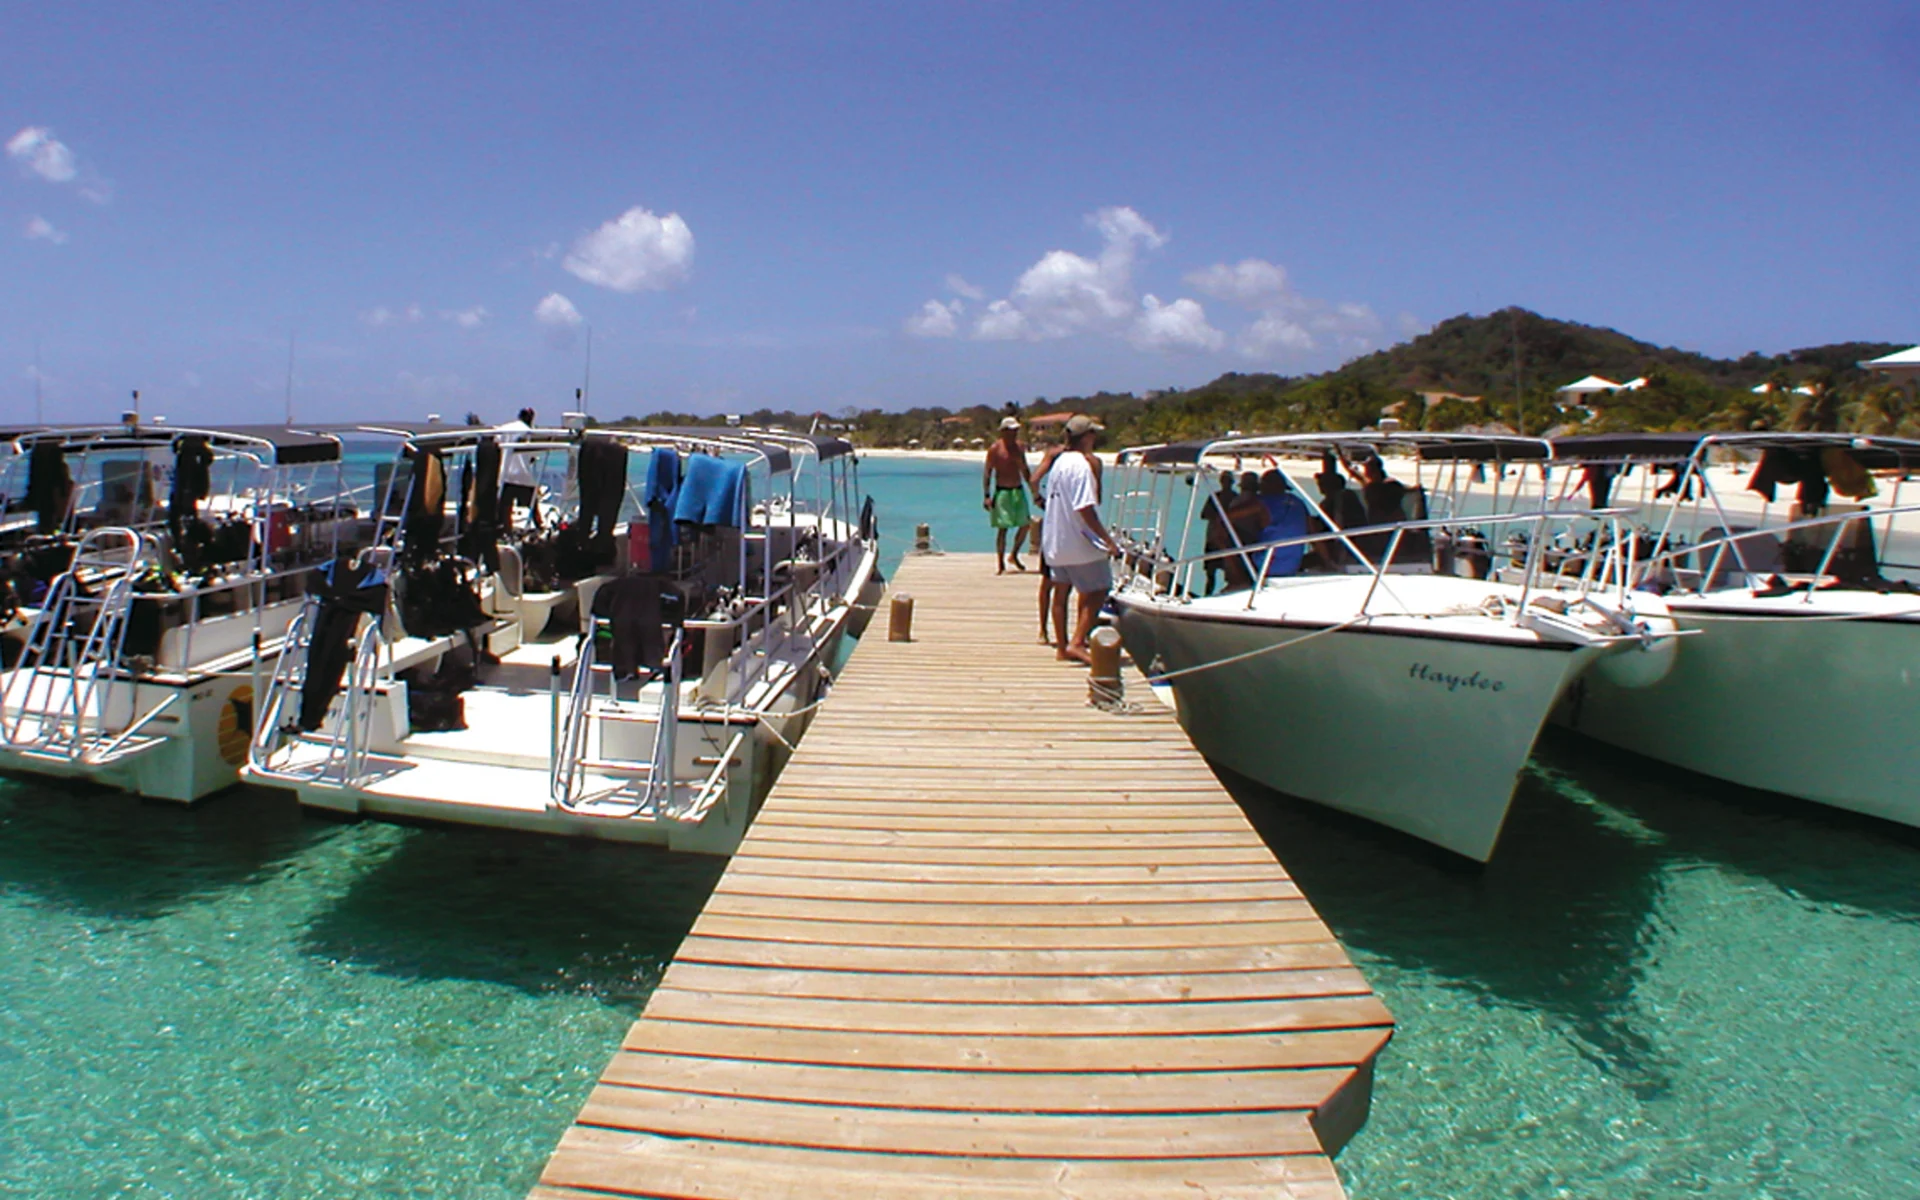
x,y
1475,681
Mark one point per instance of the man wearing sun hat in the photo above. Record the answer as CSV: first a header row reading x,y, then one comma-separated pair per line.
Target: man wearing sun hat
x,y
1004,487
1073,540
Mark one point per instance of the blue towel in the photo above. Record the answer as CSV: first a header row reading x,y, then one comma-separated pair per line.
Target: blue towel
x,y
1286,518
663,489
713,491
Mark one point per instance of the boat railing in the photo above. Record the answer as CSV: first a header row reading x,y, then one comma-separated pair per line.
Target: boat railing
x,y
1709,564
352,736
62,694
570,735
1611,570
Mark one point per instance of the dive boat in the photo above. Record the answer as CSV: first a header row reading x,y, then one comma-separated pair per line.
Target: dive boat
x,y
1804,676
152,571
1364,655
625,648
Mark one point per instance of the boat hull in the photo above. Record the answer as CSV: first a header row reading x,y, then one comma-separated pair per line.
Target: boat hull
x,y
1818,709
1426,735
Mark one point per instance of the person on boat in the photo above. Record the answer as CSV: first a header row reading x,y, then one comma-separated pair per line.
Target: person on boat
x,y
1073,540
518,485
1004,487
1246,517
1214,515
1286,521
1380,493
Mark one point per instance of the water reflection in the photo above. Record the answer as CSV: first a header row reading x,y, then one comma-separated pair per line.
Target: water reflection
x,y
1562,921
106,854
539,914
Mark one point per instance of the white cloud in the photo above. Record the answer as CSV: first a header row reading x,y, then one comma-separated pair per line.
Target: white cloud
x,y
39,151
466,318
1002,322
557,312
1180,327
1252,282
381,315
935,320
960,287
39,229
1288,323
634,252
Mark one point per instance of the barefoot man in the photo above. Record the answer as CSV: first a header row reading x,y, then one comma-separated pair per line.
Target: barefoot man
x,y
1074,543
1004,484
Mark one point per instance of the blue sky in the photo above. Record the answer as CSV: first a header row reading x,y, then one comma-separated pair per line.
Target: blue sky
x,y
822,205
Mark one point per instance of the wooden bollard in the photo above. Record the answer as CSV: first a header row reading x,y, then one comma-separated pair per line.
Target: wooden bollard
x,y
900,617
1104,686
923,539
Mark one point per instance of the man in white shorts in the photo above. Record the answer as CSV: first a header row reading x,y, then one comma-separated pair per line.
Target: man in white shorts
x,y
1073,543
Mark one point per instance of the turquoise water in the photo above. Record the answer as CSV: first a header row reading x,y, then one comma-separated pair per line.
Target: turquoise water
x,y
1662,986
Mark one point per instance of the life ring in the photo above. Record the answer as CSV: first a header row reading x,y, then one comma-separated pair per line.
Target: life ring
x,y
234,730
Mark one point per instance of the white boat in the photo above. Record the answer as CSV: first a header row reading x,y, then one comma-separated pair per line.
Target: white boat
x,y
1361,669
152,598
625,676
1804,678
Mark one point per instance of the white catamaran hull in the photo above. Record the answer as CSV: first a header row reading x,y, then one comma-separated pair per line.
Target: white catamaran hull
x,y
1822,709
1424,734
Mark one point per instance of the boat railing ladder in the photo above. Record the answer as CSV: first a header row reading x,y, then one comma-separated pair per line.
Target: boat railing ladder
x,y
647,788
270,728
61,694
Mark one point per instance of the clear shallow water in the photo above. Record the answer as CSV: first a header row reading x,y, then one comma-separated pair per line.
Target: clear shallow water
x,y
1661,987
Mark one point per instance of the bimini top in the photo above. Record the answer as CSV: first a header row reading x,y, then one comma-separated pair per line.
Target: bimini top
x,y
271,444
778,454
1431,447
1871,451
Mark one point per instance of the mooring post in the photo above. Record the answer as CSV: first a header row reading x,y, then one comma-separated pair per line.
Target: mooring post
x,y
900,617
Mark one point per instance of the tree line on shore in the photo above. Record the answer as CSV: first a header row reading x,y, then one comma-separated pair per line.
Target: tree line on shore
x,y
1496,373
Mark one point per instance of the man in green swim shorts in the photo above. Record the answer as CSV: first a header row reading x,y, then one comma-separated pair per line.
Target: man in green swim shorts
x,y
1004,484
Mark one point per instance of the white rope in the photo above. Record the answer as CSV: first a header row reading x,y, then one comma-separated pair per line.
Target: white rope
x,y
1255,653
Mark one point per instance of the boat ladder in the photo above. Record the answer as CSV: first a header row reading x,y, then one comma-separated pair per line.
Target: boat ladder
x,y
64,697
337,751
637,788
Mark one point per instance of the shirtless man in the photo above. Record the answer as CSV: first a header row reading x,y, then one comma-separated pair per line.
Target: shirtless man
x,y
1004,484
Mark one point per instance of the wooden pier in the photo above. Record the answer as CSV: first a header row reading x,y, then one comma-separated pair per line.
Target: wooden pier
x,y
987,940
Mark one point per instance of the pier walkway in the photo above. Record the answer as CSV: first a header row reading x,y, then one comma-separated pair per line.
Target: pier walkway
x,y
986,940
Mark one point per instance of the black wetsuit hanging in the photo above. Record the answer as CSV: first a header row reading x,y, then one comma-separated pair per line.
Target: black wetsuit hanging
x,y
480,489
49,485
192,482
426,506
346,592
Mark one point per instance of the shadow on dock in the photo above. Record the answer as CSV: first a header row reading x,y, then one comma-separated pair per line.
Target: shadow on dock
x,y
105,854
534,913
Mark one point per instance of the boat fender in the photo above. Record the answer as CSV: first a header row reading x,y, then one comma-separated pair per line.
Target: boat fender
x,y
1642,664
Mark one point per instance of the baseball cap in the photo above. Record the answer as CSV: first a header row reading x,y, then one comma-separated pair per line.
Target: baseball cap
x,y
1010,423
1081,423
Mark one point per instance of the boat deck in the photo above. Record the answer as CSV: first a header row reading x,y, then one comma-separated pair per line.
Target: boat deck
x,y
984,939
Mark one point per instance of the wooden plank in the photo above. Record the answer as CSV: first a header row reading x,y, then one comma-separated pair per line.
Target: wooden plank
x,y
1240,852
687,975
985,1091
933,1052
1176,1018
890,870
1053,892
737,903
1034,963
912,1131
601,1163
998,937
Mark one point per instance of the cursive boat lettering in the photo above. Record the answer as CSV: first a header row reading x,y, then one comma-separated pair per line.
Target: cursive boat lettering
x,y
1475,682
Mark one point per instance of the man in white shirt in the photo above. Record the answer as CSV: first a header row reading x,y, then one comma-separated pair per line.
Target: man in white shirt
x,y
1073,542
517,482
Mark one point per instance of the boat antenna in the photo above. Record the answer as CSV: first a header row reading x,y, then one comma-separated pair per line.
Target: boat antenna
x,y
1519,396
38,417
290,345
586,380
